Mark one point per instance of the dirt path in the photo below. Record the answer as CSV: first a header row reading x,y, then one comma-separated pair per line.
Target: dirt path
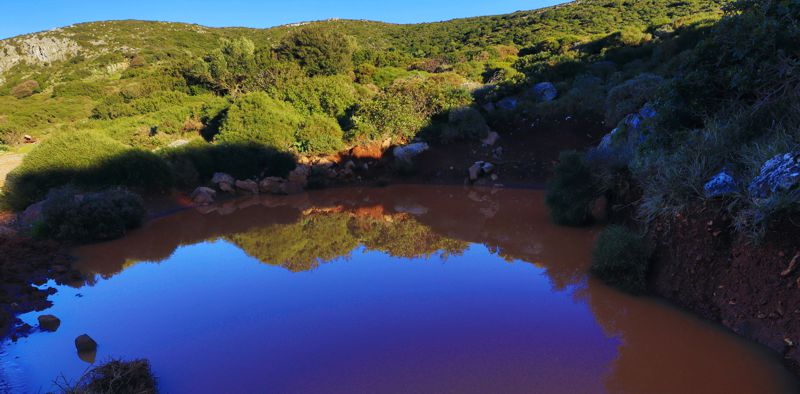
x,y
8,162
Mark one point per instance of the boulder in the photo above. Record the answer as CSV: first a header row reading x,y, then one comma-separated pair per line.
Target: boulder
x,y
407,153
617,148
203,195
273,185
779,174
545,91
85,344
49,323
474,171
224,182
247,185
221,177
491,139
479,169
508,103
297,180
488,107
226,187
720,185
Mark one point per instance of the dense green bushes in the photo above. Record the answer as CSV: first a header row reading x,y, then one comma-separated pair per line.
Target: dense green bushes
x,y
258,118
572,191
621,259
70,216
85,159
319,50
319,135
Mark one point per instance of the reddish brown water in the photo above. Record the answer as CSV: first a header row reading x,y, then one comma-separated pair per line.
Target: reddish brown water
x,y
399,289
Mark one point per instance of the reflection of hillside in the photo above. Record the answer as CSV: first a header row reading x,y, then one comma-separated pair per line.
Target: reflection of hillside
x,y
323,236
299,231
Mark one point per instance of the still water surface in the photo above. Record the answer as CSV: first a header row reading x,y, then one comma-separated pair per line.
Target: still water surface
x,y
399,289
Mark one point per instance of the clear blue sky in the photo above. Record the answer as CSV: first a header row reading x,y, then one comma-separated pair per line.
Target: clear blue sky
x,y
27,16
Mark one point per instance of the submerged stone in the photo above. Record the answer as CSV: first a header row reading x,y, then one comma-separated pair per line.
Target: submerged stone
x,y
85,344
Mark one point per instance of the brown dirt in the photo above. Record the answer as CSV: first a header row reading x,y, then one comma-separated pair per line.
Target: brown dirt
x,y
751,288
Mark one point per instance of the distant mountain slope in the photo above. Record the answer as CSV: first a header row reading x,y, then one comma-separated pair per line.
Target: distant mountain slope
x,y
579,21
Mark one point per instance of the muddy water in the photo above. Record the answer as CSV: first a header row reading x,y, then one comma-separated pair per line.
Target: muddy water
x,y
400,289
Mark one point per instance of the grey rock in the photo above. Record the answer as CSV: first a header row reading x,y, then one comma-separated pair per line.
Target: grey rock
x,y
407,153
203,195
779,174
248,186
720,185
221,177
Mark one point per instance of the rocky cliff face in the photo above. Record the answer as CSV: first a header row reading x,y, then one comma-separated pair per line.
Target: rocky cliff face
x,y
40,48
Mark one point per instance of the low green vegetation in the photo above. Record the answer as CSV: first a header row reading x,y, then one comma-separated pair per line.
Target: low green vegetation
x,y
572,191
621,259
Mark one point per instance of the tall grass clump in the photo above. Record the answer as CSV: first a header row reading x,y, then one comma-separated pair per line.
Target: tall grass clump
x,y
621,259
572,191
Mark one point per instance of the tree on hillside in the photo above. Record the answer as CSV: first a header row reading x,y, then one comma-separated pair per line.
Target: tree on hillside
x,y
228,69
320,51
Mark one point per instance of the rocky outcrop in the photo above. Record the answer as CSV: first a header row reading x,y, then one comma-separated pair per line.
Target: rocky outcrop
x,y
36,49
617,148
779,174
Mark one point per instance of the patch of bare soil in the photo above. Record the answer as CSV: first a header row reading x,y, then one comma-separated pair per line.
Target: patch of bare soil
x,y
753,288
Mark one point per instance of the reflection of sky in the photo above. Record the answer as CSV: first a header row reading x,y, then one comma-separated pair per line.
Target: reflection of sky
x,y
211,318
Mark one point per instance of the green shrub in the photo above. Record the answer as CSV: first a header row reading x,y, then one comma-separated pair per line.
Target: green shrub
x,y
69,216
258,118
621,259
572,191
629,96
319,135
465,123
78,88
85,159
319,50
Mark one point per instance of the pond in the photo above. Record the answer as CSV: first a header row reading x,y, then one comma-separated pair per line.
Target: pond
x,y
396,289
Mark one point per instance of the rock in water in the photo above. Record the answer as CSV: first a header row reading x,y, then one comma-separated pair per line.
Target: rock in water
x,y
781,173
720,185
49,323
248,186
203,195
475,171
85,344
545,91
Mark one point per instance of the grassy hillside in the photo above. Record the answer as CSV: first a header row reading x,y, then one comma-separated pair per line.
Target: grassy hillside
x,y
322,87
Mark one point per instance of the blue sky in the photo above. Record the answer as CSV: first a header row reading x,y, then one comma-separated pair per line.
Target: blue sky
x,y
21,16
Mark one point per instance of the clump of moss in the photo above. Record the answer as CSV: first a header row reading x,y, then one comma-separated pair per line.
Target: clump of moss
x,y
621,259
572,191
